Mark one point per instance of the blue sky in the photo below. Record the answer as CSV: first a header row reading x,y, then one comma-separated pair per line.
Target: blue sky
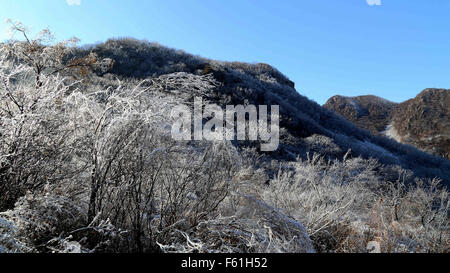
x,y
391,48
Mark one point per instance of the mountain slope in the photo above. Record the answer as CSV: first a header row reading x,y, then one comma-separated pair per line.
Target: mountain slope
x,y
368,112
423,122
261,84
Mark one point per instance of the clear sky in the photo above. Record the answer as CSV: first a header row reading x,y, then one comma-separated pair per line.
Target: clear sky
x,y
389,48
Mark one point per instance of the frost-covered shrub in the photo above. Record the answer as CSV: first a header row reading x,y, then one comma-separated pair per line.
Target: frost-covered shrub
x,y
413,217
39,218
255,228
9,243
177,184
323,145
36,226
345,205
99,237
321,194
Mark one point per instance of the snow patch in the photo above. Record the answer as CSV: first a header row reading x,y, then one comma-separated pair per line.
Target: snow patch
x,y
390,132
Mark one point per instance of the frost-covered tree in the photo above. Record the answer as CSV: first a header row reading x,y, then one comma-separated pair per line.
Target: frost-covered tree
x,y
37,128
46,57
36,135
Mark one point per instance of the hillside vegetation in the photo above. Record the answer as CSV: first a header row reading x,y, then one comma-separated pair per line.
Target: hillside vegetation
x,y
88,164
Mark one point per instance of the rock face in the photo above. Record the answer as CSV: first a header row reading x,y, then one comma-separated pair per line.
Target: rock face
x,y
423,122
